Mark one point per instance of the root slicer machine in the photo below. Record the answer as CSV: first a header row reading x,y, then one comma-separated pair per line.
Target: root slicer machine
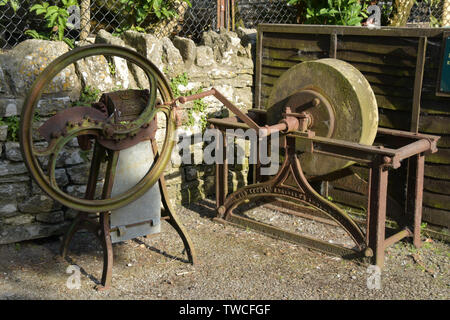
x,y
119,132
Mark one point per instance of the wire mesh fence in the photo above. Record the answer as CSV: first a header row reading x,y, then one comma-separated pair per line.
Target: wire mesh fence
x,y
77,19
201,16
430,13
250,13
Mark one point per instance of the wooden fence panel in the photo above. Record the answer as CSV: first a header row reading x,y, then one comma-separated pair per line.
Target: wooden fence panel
x,y
388,58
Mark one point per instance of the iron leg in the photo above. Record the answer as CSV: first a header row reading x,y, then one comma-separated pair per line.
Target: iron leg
x,y
376,214
414,196
173,219
105,238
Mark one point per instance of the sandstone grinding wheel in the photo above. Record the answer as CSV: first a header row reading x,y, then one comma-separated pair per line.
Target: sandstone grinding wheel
x,y
345,107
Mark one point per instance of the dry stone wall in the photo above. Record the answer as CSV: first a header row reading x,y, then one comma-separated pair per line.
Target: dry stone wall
x,y
223,60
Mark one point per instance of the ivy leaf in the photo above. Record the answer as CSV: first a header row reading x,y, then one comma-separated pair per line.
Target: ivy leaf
x,y
51,20
51,11
14,4
354,21
60,34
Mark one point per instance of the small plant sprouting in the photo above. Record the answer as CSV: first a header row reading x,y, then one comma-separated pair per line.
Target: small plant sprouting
x,y
13,127
199,106
88,95
13,3
112,68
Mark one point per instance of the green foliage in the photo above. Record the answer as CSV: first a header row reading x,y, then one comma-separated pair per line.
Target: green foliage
x,y
13,3
386,11
199,106
56,21
88,95
333,12
182,79
433,4
112,68
13,127
149,11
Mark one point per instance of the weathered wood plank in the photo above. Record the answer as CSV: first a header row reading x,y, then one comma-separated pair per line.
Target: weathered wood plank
x,y
273,71
306,43
382,69
359,201
352,183
429,107
442,156
438,171
266,90
434,124
386,60
348,198
280,63
393,103
436,200
436,216
292,54
437,185
347,31
444,142
393,119
404,82
381,45
390,91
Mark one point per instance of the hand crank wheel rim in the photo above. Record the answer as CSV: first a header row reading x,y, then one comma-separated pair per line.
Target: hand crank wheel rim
x,y
156,81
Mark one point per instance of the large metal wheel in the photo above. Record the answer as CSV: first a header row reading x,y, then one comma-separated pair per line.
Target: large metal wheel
x,y
344,107
88,121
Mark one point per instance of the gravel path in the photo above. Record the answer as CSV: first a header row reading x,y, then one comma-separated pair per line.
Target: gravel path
x,y
233,264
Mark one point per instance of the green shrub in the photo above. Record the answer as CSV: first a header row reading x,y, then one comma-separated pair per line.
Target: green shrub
x,y
333,12
56,21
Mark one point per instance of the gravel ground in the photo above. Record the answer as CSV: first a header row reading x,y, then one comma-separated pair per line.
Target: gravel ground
x,y
233,264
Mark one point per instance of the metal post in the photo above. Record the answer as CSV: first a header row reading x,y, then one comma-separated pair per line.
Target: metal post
x,y
104,223
220,13
414,196
420,64
376,215
222,176
333,45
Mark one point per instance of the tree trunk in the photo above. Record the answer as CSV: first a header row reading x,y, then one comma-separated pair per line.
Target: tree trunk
x,y
446,14
85,19
402,9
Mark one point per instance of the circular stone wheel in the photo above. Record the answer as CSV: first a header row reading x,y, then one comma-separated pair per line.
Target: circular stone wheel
x,y
353,104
